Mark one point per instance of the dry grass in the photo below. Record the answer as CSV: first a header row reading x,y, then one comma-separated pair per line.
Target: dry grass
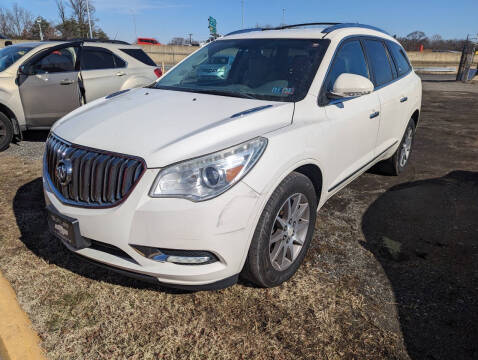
x,y
339,305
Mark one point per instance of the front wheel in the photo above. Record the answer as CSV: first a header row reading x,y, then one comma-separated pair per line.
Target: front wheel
x,y
284,232
6,132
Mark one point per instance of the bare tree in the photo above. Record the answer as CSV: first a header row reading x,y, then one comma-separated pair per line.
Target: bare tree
x,y
5,26
21,20
16,22
416,35
60,5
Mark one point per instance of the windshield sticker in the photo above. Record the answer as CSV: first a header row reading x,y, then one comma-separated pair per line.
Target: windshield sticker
x,y
283,91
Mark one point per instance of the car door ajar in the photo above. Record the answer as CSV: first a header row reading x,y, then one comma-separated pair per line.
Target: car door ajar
x,y
48,85
353,123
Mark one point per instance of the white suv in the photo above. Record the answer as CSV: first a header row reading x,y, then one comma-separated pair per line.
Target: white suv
x,y
43,81
193,181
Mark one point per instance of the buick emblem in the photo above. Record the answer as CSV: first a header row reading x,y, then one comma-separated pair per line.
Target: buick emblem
x,y
63,171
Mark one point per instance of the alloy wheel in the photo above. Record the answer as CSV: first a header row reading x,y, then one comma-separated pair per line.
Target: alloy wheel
x,y
289,231
406,147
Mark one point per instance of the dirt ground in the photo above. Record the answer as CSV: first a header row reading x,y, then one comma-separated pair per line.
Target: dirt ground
x,y
392,272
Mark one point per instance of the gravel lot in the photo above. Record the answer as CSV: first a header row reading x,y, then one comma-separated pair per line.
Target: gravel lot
x,y
392,272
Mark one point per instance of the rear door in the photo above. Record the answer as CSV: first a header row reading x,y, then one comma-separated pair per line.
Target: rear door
x,y
49,85
389,89
353,123
102,71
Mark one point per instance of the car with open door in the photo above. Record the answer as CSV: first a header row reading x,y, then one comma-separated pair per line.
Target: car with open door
x,y
225,177
41,82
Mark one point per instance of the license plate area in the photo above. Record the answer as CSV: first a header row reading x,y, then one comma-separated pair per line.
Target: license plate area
x,y
66,229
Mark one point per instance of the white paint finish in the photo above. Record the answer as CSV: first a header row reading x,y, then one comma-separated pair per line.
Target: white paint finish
x,y
352,85
164,126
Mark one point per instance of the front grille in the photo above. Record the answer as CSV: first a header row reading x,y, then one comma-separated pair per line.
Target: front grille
x,y
92,178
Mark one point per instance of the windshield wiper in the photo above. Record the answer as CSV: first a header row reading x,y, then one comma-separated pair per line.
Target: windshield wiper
x,y
225,93
206,91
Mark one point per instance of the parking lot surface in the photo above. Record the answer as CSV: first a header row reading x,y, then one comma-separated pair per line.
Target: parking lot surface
x,y
392,271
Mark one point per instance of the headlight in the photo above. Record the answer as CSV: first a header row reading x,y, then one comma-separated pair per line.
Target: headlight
x,y
208,176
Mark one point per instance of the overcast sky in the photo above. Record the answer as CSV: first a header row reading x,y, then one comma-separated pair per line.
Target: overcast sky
x,y
166,19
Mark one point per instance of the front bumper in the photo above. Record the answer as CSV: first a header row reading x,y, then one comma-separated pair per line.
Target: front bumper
x,y
223,226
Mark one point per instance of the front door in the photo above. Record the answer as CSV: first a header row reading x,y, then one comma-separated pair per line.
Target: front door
x,y
352,124
49,86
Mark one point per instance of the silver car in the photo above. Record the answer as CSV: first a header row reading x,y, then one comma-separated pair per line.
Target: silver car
x,y
42,81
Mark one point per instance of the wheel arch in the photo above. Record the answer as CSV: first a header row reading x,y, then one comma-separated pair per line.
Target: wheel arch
x,y
11,115
313,172
416,117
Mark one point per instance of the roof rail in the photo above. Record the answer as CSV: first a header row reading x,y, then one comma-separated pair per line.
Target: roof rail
x,y
304,24
242,31
352,25
93,40
331,27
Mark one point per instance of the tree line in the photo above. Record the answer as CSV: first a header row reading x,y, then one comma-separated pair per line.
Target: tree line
x,y
19,23
414,40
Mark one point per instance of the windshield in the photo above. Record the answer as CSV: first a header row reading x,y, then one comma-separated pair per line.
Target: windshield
x,y
10,54
267,69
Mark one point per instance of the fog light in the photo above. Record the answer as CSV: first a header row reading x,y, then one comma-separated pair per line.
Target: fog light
x,y
183,257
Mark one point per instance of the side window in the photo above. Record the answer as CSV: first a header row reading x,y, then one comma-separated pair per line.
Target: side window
x,y
349,59
401,60
96,59
379,61
119,63
57,61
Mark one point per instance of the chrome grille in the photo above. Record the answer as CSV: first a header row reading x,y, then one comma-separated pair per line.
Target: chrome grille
x,y
96,178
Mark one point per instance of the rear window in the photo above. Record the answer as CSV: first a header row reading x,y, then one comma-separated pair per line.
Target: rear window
x,y
378,59
139,55
401,60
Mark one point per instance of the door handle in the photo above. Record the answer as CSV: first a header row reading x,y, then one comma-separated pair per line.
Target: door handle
x,y
120,73
374,115
403,99
66,82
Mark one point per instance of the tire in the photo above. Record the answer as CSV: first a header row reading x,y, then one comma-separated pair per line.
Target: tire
x,y
398,162
6,132
261,267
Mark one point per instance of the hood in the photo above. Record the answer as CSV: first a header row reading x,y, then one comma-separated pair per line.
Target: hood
x,y
164,126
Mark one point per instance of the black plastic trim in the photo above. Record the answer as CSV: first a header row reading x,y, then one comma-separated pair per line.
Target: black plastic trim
x,y
361,168
218,285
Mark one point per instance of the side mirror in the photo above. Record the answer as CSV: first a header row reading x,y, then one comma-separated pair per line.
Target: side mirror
x,y
25,70
350,85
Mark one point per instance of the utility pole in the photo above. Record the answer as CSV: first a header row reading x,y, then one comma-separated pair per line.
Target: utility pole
x,y
190,39
39,25
242,12
283,16
134,23
89,18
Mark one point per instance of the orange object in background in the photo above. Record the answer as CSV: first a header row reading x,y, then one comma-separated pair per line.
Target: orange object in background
x,y
147,41
421,47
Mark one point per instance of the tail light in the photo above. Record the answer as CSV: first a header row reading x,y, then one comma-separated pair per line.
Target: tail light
x,y
158,72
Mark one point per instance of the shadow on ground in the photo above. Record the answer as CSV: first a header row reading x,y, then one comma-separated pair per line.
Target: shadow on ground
x,y
31,218
425,235
35,136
